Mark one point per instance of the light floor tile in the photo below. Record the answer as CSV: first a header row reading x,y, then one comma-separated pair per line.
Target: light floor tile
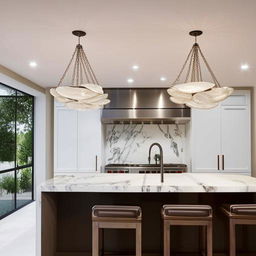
x,y
18,232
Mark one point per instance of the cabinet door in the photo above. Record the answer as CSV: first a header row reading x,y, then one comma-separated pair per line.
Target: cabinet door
x,y
235,132
89,140
65,139
205,139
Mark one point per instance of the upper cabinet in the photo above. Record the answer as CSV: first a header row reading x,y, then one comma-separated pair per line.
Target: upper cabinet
x,y
77,140
221,137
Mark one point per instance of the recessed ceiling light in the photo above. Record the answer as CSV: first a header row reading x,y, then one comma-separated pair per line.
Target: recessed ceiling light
x,y
32,64
163,78
135,67
130,80
244,67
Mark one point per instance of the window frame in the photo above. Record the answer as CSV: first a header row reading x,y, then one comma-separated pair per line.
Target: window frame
x,y
16,167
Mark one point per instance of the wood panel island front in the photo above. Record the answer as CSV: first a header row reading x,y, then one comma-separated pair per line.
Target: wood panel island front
x,y
66,203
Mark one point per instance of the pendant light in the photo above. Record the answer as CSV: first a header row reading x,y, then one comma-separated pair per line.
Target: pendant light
x,y
192,90
83,91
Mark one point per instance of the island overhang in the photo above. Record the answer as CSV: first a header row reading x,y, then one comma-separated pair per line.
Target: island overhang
x,y
150,183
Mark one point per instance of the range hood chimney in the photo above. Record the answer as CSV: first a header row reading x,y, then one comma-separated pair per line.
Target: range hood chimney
x,y
142,105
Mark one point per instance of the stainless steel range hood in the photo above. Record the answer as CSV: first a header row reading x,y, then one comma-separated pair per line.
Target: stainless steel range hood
x,y
142,105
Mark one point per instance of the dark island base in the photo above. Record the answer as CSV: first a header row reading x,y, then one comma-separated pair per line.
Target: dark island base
x,y
66,223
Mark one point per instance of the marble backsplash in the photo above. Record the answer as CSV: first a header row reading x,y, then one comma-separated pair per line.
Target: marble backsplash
x,y
129,143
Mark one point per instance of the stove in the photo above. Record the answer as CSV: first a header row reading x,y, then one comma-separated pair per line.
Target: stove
x,y
145,168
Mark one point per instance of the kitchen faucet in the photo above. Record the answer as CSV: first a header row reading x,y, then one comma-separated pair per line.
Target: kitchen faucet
x,y
161,159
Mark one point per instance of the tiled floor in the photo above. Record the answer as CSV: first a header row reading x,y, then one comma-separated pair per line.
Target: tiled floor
x,y
18,232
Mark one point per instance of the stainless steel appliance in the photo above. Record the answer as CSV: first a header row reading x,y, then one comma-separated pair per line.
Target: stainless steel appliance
x,y
142,105
145,168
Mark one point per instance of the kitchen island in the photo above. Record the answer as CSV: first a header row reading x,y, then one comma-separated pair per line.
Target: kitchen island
x,y
66,203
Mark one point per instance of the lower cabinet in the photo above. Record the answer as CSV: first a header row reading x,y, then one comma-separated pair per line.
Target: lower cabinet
x,y
221,137
77,140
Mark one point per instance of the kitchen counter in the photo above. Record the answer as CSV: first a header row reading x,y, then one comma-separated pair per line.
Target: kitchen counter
x,y
65,203
146,183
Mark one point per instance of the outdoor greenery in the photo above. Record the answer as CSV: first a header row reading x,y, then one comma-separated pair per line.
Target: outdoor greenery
x,y
16,110
25,146
8,183
16,149
24,182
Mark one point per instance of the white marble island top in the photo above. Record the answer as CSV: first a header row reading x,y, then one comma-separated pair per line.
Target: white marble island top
x,y
128,183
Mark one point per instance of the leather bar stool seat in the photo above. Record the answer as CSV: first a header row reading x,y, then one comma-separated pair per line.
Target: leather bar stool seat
x,y
188,215
241,209
115,217
187,210
238,214
114,211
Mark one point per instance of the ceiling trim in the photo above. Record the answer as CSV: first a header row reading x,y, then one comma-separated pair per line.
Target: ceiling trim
x,y
21,79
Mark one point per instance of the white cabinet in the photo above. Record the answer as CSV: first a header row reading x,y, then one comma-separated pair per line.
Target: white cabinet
x,y
205,139
236,133
77,140
221,136
89,140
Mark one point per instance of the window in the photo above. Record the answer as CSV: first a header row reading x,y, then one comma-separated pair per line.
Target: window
x,y
16,149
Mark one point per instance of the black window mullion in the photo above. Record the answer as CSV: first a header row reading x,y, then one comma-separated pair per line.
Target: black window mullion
x,y
33,112
16,168
15,155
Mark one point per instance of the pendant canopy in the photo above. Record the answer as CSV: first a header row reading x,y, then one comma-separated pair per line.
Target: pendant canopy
x,y
190,85
83,90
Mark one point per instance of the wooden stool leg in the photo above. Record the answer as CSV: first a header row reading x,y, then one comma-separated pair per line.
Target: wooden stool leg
x,y
138,240
209,239
232,238
166,238
203,240
101,241
95,239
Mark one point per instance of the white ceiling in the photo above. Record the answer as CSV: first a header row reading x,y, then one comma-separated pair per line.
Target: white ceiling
x,y
120,33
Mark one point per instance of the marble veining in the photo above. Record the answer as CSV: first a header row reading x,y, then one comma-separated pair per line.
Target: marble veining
x,y
129,143
148,183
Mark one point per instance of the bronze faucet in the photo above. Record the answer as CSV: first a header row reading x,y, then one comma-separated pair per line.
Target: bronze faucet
x,y
161,159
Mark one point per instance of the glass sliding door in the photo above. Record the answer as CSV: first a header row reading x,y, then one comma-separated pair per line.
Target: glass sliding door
x,y
16,149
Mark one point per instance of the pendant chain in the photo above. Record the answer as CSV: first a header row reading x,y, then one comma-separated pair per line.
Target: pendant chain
x,y
81,69
194,72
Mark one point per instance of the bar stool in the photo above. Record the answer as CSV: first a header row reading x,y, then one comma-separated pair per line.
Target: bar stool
x,y
188,215
238,214
115,217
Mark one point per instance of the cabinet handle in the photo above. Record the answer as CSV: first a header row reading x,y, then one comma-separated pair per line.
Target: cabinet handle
x,y
218,161
223,167
96,163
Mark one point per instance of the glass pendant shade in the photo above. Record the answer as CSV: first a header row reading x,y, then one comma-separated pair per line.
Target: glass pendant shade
x,y
178,100
93,87
194,87
176,93
75,92
58,97
97,98
193,104
214,95
202,94
83,89
99,102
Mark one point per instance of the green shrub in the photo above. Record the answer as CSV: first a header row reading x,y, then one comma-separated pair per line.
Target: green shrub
x,y
25,148
8,183
25,180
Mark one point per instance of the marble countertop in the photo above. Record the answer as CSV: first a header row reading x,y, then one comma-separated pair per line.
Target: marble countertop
x,y
128,183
